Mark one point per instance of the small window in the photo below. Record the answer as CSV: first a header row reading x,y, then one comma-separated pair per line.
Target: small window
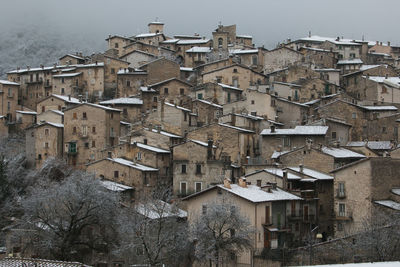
x,y
84,116
333,135
252,102
86,144
183,168
198,186
93,143
354,115
93,129
46,145
116,174
112,71
340,227
128,83
116,45
198,168
183,189
46,131
155,99
342,209
182,91
75,116
74,130
111,115
43,108
166,91
125,111
204,209
258,182
139,156
384,130
199,96
235,71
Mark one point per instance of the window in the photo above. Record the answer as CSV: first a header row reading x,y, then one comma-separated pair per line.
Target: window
x,y
340,227
235,82
198,186
128,83
46,145
258,182
155,99
93,143
139,156
200,96
333,135
286,141
84,130
166,91
182,91
62,80
62,91
74,116
112,71
46,131
125,111
145,179
229,98
86,144
219,79
384,90
116,174
74,130
341,191
354,115
93,129
252,102
204,209
254,60
185,116
111,115
72,148
116,45
220,42
235,70
40,157
342,210
183,190
384,130
10,92
84,116
183,168
198,168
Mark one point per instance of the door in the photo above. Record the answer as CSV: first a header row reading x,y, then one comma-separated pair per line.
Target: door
x,y
305,213
267,212
267,238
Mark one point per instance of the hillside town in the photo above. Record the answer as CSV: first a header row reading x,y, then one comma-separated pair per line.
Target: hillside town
x,y
301,141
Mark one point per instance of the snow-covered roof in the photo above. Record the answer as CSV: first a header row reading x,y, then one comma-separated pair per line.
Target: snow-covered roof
x,y
367,67
197,41
123,101
298,130
199,49
133,164
159,209
152,148
26,112
178,107
67,98
17,262
341,41
391,81
67,75
374,145
379,54
69,69
244,36
255,194
208,103
229,87
147,89
249,116
396,191
144,35
349,61
315,49
277,154
341,152
58,125
389,203
73,56
166,133
289,84
170,41
364,264
243,51
102,107
186,69
380,108
236,128
113,186
312,173
5,82
200,143
279,172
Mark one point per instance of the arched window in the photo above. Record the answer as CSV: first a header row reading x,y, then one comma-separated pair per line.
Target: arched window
x,y
220,42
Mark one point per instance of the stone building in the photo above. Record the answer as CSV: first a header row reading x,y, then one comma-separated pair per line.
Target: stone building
x,y
43,141
319,58
117,43
173,90
218,93
56,102
9,92
131,107
160,70
67,83
129,82
72,59
88,130
51,115
280,58
290,113
207,111
195,168
137,58
156,137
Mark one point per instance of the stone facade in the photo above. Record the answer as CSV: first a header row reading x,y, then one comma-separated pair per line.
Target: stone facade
x,y
280,58
9,92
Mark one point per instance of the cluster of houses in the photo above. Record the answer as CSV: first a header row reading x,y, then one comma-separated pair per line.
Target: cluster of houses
x,y
301,136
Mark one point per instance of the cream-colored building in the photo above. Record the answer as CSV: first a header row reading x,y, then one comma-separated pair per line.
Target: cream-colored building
x,y
56,102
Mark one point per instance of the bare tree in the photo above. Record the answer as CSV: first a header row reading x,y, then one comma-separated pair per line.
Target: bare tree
x,y
220,232
71,218
155,231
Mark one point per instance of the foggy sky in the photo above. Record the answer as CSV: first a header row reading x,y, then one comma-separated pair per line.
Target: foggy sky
x,y
268,21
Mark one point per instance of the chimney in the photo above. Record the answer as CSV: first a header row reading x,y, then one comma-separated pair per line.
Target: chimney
x,y
380,43
309,33
272,127
386,76
145,141
42,66
28,67
96,62
285,179
227,183
377,42
301,168
273,184
209,149
69,97
388,43
242,182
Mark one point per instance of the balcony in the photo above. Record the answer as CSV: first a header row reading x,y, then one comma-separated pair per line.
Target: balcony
x,y
343,216
11,95
72,152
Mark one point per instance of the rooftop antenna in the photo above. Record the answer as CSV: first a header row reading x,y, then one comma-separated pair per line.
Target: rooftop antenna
x,y
309,33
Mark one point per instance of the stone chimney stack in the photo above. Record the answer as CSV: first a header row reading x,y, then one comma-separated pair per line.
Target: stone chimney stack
x,y
209,149
227,183
272,127
301,167
242,182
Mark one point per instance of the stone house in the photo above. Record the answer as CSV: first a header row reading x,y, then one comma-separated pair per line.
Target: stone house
x,y
247,121
160,70
195,167
158,50
89,129
196,56
255,102
25,118
232,142
267,208
252,58
56,102
137,58
118,43
9,92
93,79
218,93
351,80
349,65
373,148
131,107
319,58
235,75
332,76
280,58
173,90
67,83
213,65
273,139
359,189
151,38
51,115
72,59
172,118
182,45
143,179
289,113
314,187
338,132
207,111
130,81
43,141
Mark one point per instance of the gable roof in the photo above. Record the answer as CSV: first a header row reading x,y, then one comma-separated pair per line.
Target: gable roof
x,y
167,81
298,130
95,106
129,163
123,101
232,66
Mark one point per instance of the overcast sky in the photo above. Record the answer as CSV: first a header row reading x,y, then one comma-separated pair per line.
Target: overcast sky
x,y
268,21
